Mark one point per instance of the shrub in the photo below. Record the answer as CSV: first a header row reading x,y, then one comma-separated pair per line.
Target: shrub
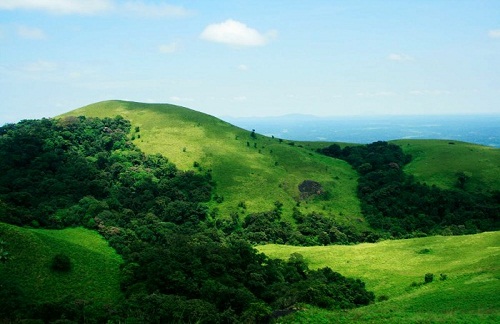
x,y
382,298
443,277
61,262
429,277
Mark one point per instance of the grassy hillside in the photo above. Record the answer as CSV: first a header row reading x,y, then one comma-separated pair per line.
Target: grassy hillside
x,y
470,292
255,170
95,266
437,162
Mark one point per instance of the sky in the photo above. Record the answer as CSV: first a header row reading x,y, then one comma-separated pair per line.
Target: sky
x,y
251,58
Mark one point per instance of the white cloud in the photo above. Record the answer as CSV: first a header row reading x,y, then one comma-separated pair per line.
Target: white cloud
x,y
92,7
240,98
399,57
168,48
376,94
30,33
430,92
243,67
181,99
40,67
59,6
233,32
495,33
143,9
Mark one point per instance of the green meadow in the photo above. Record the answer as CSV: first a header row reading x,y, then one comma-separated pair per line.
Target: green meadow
x,y
94,275
254,170
251,172
437,162
396,271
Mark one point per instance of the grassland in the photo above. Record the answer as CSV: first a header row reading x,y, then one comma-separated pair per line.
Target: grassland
x,y
95,266
468,295
437,162
260,170
255,170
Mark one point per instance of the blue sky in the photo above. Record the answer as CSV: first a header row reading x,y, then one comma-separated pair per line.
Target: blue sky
x,y
251,58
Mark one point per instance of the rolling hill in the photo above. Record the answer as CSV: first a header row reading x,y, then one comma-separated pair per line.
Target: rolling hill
x,y
249,170
437,162
254,171
395,269
95,266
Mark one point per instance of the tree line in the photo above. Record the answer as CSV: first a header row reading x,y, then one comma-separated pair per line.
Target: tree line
x,y
396,205
178,265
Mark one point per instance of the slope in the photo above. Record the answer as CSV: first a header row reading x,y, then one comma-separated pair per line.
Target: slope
x,y
94,276
437,162
251,171
391,268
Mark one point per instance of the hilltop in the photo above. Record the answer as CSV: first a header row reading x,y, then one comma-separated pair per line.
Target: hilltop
x,y
178,255
437,162
251,171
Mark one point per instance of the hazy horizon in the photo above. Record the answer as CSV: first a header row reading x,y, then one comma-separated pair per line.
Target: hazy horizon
x,y
478,129
241,58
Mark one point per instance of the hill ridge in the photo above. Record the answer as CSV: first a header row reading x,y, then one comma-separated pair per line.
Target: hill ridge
x,y
250,170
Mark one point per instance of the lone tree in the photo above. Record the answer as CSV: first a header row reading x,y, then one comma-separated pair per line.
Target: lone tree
x,y
61,262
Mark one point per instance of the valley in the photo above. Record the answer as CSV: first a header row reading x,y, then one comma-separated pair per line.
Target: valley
x,y
162,207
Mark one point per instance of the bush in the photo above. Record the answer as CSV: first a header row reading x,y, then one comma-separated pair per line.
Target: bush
x,y
61,262
382,298
429,277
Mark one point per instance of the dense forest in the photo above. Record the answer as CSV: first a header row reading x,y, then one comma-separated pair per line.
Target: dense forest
x,y
179,264
398,206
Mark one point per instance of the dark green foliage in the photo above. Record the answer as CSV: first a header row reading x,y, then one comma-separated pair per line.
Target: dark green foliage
x,y
177,266
443,277
311,229
4,254
71,170
428,278
61,263
393,202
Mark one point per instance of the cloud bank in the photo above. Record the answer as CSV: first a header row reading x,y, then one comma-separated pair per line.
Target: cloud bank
x,y
30,33
233,32
93,7
399,57
59,6
494,33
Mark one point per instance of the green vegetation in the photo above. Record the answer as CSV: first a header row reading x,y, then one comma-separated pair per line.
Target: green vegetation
x,y
254,170
438,162
398,206
178,266
185,235
470,263
94,279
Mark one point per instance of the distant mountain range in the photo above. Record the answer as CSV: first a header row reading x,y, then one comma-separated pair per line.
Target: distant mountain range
x,y
479,129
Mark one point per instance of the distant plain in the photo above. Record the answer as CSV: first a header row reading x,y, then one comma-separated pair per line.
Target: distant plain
x,y
478,129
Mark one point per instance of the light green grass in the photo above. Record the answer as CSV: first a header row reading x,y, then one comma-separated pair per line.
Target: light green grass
x,y
257,174
472,264
95,266
437,162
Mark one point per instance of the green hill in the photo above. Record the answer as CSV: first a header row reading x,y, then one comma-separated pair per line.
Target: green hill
x,y
389,268
251,171
94,276
437,162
